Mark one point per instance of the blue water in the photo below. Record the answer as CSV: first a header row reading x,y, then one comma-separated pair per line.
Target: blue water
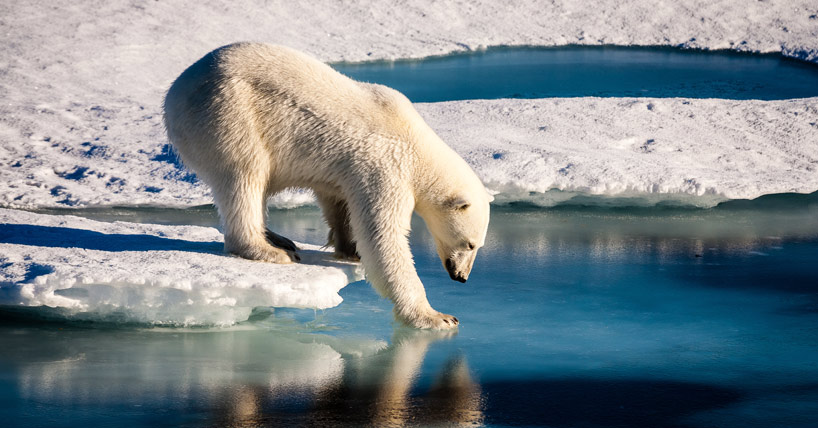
x,y
573,316
582,71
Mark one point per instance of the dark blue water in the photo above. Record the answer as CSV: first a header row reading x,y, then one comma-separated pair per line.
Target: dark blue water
x,y
592,317
583,71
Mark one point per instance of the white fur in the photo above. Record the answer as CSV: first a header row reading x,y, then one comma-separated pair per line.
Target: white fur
x,y
253,119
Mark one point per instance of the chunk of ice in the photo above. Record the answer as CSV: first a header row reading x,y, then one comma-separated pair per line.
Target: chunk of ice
x,y
146,273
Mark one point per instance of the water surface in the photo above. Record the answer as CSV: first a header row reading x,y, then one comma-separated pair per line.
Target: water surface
x,y
597,71
576,316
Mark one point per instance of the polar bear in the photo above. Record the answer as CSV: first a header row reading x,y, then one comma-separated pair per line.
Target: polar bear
x,y
253,119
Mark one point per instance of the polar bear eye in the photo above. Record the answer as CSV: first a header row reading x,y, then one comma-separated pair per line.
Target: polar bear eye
x,y
471,246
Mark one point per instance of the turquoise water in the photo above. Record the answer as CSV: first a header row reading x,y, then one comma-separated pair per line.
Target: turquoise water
x,y
572,316
582,71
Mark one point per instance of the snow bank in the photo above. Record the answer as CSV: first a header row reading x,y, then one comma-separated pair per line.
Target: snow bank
x,y
81,83
150,273
692,151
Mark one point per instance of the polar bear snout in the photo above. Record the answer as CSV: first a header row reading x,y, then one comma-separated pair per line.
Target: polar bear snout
x,y
456,274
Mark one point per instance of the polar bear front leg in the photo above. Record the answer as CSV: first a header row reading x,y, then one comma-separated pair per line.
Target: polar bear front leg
x,y
380,227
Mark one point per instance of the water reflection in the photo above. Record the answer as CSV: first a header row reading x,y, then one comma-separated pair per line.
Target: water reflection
x,y
603,234
246,377
652,235
384,390
572,317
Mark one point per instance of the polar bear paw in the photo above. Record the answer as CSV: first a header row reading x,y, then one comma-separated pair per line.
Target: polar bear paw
x,y
346,256
269,254
432,320
280,241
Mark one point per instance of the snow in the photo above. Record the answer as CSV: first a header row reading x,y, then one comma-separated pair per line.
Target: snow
x,y
81,85
145,273
692,151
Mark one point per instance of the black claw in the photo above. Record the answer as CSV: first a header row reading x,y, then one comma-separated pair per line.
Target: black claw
x,y
455,320
279,241
445,320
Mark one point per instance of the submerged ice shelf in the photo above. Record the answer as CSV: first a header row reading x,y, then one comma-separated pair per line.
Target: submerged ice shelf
x,y
146,273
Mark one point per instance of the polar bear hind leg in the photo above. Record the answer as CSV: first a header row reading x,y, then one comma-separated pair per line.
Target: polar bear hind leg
x,y
336,214
241,201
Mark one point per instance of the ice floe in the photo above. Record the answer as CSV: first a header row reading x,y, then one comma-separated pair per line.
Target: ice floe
x,y
689,151
146,273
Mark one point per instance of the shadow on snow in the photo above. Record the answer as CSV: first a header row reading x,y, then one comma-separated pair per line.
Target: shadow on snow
x,y
65,237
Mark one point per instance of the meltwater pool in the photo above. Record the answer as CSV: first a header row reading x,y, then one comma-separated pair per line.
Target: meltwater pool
x,y
583,71
573,316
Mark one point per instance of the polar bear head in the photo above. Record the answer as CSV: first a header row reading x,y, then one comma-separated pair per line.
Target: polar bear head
x,y
459,226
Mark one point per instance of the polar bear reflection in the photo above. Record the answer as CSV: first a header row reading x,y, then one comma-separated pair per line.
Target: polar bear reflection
x,y
243,378
373,391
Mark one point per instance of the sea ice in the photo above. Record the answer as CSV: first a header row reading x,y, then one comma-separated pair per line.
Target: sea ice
x,y
82,85
693,151
148,273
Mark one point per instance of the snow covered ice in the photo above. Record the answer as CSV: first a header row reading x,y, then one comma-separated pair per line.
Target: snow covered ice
x,y
695,151
80,122
81,86
151,273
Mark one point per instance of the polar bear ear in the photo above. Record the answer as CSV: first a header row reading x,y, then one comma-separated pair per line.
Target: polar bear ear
x,y
458,203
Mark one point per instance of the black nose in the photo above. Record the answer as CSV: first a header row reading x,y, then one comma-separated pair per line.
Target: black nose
x,y
452,274
456,277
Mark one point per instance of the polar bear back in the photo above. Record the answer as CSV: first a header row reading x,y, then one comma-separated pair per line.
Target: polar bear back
x,y
298,107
